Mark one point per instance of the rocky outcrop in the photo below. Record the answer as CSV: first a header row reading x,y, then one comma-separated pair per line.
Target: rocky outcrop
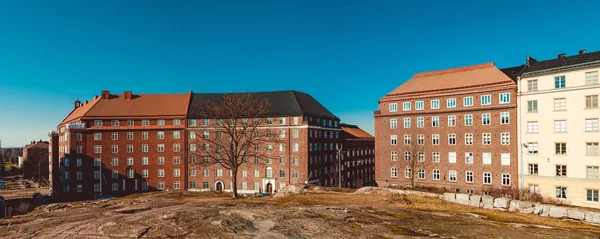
x,y
450,197
475,201
487,202
462,198
521,206
501,204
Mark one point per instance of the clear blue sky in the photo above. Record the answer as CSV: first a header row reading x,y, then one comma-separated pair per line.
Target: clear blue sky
x,y
347,54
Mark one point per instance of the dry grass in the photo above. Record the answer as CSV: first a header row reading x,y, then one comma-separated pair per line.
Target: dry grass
x,y
325,217
395,215
354,225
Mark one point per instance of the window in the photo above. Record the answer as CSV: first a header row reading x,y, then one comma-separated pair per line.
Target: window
x,y
129,161
561,192
192,122
452,139
435,139
160,160
532,85
435,156
160,135
144,135
435,121
269,173
591,101
532,127
161,122
504,98
505,138
533,169
115,174
487,158
161,173
114,122
407,172
176,160
560,148
97,136
282,173
406,122
407,156
451,103
469,158
561,170
505,158
452,157
295,147
591,78
486,99
468,120
419,105
421,173
505,179
487,138
79,149
420,139
115,136
394,156
115,186
394,172
452,175
407,139
176,172
115,148
436,174
532,148
145,173
130,148
421,156
145,122
420,122
97,162
176,122
97,122
451,120
394,139
435,104
114,161
130,172
79,175
592,172
469,177
504,117
560,104
591,148
161,148
487,178
176,135
560,82
468,101
282,134
295,160
393,123
161,185
592,194
205,122
486,119
532,106
393,107
406,106
468,139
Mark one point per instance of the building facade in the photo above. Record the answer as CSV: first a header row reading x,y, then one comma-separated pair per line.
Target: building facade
x,y
35,160
465,127
359,160
558,109
304,133
120,144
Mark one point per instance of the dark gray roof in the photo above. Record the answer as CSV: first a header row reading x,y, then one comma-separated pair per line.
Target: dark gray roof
x,y
283,103
569,62
513,72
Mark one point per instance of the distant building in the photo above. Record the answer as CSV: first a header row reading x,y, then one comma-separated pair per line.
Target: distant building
x,y
35,160
465,121
559,133
359,159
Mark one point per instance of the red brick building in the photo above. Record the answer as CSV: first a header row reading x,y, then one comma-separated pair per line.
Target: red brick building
x,y
306,133
465,121
121,144
35,160
359,157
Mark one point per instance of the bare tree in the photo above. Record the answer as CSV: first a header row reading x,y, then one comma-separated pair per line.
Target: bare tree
x,y
414,158
239,134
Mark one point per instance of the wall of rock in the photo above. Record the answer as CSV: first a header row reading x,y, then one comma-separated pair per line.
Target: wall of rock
x,y
516,206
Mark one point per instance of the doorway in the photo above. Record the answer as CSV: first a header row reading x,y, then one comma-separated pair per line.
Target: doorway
x,y
219,186
269,188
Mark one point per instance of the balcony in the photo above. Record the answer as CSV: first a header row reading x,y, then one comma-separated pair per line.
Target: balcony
x,y
76,126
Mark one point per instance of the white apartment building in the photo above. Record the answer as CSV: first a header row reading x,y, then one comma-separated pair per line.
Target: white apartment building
x,y
558,127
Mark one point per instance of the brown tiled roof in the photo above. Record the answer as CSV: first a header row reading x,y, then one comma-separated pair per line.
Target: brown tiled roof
x,y
353,131
41,145
141,105
475,75
76,114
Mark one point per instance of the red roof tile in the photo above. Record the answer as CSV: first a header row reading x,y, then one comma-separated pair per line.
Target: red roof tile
x,y
141,105
76,114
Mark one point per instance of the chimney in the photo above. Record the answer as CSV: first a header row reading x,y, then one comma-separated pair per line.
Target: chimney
x,y
562,55
105,94
582,52
77,104
529,60
95,97
127,95
86,102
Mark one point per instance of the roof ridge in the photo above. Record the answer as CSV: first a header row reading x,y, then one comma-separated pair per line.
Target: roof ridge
x,y
454,70
297,101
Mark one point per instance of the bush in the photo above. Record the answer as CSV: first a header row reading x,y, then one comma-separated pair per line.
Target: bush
x,y
23,208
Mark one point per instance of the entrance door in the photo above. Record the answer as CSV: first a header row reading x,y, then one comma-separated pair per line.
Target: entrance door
x,y
269,188
219,186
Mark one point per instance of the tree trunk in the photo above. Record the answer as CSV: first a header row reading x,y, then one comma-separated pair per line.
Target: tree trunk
x,y
234,175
